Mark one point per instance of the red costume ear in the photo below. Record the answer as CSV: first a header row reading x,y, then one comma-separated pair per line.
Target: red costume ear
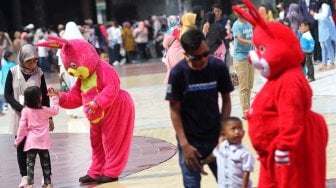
x,y
56,42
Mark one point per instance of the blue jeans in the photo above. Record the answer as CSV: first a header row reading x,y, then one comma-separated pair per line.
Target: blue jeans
x,y
328,51
1,102
191,178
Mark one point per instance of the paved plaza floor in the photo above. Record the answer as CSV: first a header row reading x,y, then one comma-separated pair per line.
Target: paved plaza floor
x,y
151,165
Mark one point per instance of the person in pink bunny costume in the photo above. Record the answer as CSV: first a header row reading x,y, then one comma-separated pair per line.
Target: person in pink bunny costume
x,y
109,109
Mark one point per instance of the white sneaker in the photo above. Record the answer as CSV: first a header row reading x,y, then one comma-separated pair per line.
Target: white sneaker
x,y
123,61
116,63
23,182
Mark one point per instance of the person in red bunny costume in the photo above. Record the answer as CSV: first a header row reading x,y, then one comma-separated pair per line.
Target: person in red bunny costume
x,y
109,109
290,139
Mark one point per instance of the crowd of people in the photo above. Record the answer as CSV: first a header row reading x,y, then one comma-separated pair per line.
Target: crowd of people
x,y
195,47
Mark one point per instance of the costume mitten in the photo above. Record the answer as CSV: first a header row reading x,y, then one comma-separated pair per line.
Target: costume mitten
x,y
93,112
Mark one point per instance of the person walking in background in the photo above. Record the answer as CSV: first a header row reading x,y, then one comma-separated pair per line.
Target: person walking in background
x,y
115,42
17,44
34,127
226,25
281,17
234,161
293,17
214,34
192,92
305,6
242,33
5,44
173,49
128,42
43,60
21,76
199,11
172,42
71,32
307,44
326,34
188,21
6,65
140,34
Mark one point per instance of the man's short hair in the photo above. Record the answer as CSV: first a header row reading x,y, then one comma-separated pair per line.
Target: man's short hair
x,y
238,2
191,40
217,6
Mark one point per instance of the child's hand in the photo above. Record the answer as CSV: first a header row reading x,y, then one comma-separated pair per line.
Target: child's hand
x,y
51,125
15,145
53,92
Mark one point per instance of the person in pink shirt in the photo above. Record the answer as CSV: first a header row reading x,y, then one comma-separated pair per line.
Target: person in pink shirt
x,y
34,124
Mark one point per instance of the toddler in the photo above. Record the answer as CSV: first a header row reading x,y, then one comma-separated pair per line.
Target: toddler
x,y
307,45
34,124
234,161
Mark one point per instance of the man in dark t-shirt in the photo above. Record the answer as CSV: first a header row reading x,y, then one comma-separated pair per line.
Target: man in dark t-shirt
x,y
192,92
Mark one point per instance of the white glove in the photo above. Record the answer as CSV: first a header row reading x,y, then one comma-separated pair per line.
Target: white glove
x,y
281,157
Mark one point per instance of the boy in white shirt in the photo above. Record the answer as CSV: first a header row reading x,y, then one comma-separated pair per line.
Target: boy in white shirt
x,y
234,161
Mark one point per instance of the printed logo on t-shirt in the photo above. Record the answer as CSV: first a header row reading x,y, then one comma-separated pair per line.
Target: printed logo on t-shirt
x,y
202,86
169,88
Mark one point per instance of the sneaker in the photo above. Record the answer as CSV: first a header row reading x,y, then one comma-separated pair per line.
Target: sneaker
x,y
323,68
115,63
123,61
331,66
317,62
311,79
23,182
47,186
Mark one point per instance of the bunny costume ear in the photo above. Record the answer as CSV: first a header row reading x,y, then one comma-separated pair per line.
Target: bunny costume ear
x,y
252,16
55,42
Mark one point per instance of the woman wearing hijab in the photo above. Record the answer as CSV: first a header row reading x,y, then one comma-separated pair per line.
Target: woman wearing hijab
x,y
21,76
173,49
171,41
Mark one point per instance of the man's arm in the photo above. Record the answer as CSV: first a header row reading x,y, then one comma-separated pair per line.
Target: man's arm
x,y
175,108
243,41
190,153
226,105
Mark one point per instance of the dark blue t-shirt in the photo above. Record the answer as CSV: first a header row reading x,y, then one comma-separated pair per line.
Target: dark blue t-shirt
x,y
197,91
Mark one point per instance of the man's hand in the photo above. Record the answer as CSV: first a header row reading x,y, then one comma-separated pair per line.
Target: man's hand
x,y
203,172
191,156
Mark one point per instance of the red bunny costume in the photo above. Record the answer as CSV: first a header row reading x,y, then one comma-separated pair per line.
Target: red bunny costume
x,y
109,109
289,138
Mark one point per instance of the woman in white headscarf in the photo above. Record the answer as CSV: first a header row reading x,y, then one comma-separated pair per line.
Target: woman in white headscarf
x,y
71,32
